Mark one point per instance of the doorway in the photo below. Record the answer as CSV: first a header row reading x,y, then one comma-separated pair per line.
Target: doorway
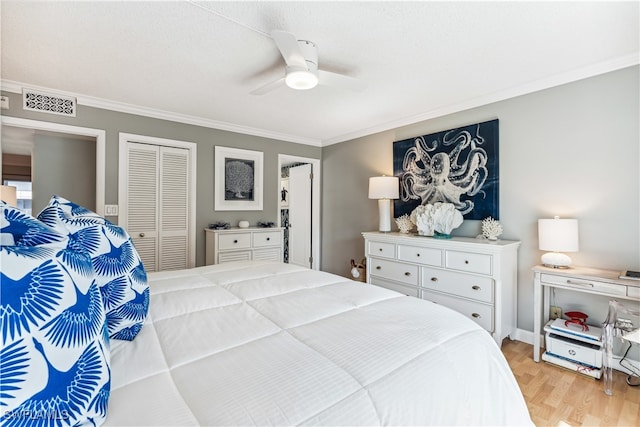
x,y
312,239
93,136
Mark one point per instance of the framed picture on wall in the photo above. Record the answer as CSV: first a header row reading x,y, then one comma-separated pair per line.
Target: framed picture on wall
x,y
238,179
458,166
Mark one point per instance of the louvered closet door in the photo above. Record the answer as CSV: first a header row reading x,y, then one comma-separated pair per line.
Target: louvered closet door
x,y
142,201
173,208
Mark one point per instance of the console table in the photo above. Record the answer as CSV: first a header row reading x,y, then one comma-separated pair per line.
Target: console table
x,y
474,277
579,279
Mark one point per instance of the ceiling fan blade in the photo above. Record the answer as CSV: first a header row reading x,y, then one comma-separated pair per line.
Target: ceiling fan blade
x,y
288,45
268,87
327,78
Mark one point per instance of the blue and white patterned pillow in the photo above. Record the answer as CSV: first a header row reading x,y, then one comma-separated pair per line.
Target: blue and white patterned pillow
x,y
119,271
54,347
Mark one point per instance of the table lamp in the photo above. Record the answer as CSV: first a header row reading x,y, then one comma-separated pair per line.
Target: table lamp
x,y
558,236
384,188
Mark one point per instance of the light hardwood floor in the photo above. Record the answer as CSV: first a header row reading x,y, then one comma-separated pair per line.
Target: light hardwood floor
x,y
559,397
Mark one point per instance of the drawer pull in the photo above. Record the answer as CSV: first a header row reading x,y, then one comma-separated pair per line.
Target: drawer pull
x,y
378,267
572,352
141,234
380,249
418,254
476,315
406,273
268,238
466,261
235,241
434,279
475,287
573,282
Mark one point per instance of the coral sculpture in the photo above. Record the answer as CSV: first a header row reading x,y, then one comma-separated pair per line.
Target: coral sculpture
x,y
422,217
436,220
491,228
404,223
446,219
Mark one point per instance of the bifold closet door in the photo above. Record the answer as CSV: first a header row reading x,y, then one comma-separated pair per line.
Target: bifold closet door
x,y
174,208
157,205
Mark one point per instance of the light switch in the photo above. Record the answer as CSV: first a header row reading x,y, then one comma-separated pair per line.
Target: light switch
x,y
4,102
111,210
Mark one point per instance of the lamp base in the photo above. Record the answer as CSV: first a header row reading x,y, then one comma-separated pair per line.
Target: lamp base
x,y
384,211
556,260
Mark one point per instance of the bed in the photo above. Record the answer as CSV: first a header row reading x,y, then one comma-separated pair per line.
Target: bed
x,y
87,337
263,343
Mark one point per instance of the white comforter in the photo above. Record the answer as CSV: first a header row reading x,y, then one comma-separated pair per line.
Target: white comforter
x,y
273,344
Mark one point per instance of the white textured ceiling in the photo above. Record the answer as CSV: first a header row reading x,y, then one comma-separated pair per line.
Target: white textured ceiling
x,y
200,60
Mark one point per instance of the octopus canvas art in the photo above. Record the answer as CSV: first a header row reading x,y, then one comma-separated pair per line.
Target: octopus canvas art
x,y
458,166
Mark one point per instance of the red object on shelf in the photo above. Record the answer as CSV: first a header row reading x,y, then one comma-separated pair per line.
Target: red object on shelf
x,y
577,318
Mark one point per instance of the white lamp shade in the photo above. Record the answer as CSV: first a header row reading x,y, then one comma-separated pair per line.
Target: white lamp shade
x,y
8,195
384,187
558,235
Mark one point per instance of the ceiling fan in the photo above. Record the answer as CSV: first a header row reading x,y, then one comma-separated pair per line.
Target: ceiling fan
x,y
302,73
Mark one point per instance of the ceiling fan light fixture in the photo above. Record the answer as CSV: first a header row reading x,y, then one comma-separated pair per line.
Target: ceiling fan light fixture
x,y
301,79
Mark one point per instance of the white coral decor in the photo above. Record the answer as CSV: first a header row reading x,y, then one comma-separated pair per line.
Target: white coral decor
x,y
422,217
491,228
446,218
439,218
404,223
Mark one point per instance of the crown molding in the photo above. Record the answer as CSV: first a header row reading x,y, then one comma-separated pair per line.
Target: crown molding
x,y
121,107
535,86
542,84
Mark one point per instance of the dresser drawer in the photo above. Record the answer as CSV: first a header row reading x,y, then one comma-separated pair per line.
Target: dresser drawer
x,y
466,261
233,256
269,254
425,256
234,241
586,285
271,238
459,284
480,313
382,249
405,273
403,289
633,292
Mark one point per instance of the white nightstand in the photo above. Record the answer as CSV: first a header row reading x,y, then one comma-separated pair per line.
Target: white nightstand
x,y
238,244
578,279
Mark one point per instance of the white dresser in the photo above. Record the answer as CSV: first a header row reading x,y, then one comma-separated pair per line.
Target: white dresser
x,y
237,244
475,277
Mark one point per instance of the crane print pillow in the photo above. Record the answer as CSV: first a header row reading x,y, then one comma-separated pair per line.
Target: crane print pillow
x,y
119,272
54,348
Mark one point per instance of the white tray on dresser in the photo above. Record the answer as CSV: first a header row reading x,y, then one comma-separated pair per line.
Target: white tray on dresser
x,y
476,277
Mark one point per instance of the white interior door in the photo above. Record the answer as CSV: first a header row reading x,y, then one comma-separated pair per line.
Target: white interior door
x,y
142,201
173,248
300,180
157,204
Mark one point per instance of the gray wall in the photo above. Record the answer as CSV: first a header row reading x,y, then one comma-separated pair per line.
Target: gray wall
x,y
64,166
571,151
206,138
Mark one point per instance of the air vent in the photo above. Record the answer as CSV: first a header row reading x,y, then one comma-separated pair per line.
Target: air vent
x,y
48,103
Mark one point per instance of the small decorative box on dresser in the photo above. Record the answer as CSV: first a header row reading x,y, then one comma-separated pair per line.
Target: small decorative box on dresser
x,y
237,244
476,277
